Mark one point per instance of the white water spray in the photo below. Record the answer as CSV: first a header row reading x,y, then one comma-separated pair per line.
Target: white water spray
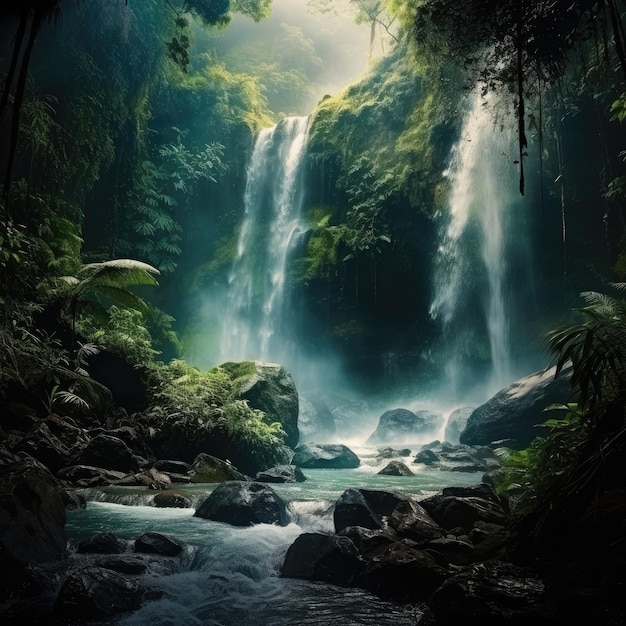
x,y
255,318
471,268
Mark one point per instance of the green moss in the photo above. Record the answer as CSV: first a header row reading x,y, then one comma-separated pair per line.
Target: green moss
x,y
237,370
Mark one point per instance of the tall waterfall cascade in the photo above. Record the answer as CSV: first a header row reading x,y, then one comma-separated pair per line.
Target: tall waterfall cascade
x,y
256,324
472,277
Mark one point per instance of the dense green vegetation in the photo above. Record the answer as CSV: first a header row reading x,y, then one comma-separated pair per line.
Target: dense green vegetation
x,y
124,151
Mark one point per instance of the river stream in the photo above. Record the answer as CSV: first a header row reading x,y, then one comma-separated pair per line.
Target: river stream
x,y
230,576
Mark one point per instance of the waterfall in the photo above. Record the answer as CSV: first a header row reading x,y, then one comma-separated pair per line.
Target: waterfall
x,y
256,324
471,277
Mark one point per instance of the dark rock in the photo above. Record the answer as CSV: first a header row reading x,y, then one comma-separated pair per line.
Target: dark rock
x,y
451,511
402,573
396,468
366,508
97,593
171,500
126,564
480,490
515,411
412,521
172,467
281,474
270,388
243,503
368,541
74,501
390,453
44,446
109,453
103,543
152,479
157,543
315,420
398,425
492,593
330,558
325,455
135,439
457,421
210,469
353,509
88,476
179,479
427,457
32,518
455,551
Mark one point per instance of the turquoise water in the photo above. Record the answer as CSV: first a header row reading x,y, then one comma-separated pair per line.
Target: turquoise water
x,y
230,576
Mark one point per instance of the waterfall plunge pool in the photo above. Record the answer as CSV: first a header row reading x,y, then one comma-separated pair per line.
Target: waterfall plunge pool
x,y
230,576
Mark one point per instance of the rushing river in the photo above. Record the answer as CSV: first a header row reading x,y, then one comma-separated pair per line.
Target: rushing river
x,y
230,576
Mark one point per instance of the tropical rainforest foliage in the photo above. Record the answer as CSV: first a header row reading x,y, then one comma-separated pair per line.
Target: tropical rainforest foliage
x,y
126,130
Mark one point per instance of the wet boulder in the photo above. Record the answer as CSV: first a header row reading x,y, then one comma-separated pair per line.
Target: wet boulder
x,y
325,455
368,541
402,425
514,412
396,468
492,593
390,453
402,573
171,500
464,507
354,509
330,558
88,476
410,520
380,510
157,543
97,593
103,543
109,453
281,474
151,478
427,457
244,503
209,469
270,388
41,444
32,518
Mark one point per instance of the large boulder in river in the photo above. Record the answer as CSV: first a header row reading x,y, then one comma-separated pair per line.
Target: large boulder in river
x,y
244,503
210,469
402,425
32,518
325,455
330,558
514,412
381,510
97,593
270,388
281,474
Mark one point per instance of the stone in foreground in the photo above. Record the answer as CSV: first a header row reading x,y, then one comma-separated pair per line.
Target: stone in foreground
x,y
244,503
325,456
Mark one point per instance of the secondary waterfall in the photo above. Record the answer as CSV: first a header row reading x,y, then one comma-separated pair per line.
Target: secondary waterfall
x,y
256,325
472,274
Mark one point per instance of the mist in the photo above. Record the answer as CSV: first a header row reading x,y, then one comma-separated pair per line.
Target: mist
x,y
317,53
